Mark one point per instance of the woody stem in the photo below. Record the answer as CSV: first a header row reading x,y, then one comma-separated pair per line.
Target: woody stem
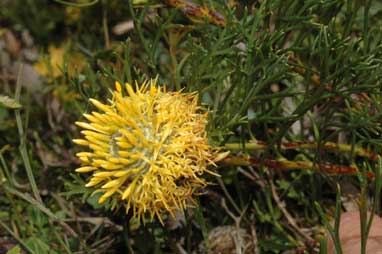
x,y
259,146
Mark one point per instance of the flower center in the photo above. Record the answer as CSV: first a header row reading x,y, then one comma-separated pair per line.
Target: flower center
x,y
138,146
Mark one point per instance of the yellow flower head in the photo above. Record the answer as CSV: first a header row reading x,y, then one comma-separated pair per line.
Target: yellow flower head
x,y
148,148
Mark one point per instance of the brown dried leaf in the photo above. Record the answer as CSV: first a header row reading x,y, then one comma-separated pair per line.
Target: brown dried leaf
x,y
12,44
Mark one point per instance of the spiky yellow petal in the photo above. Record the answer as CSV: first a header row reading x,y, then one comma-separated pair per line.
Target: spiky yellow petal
x,y
111,184
85,169
100,106
118,87
81,142
129,189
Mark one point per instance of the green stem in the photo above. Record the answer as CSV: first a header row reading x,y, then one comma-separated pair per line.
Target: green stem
x,y
363,211
331,146
22,243
22,147
284,164
126,232
77,4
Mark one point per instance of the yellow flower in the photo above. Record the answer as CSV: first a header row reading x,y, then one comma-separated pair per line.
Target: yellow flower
x,y
51,65
148,148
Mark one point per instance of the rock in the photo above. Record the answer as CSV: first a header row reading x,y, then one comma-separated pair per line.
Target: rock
x,y
350,235
30,78
228,240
